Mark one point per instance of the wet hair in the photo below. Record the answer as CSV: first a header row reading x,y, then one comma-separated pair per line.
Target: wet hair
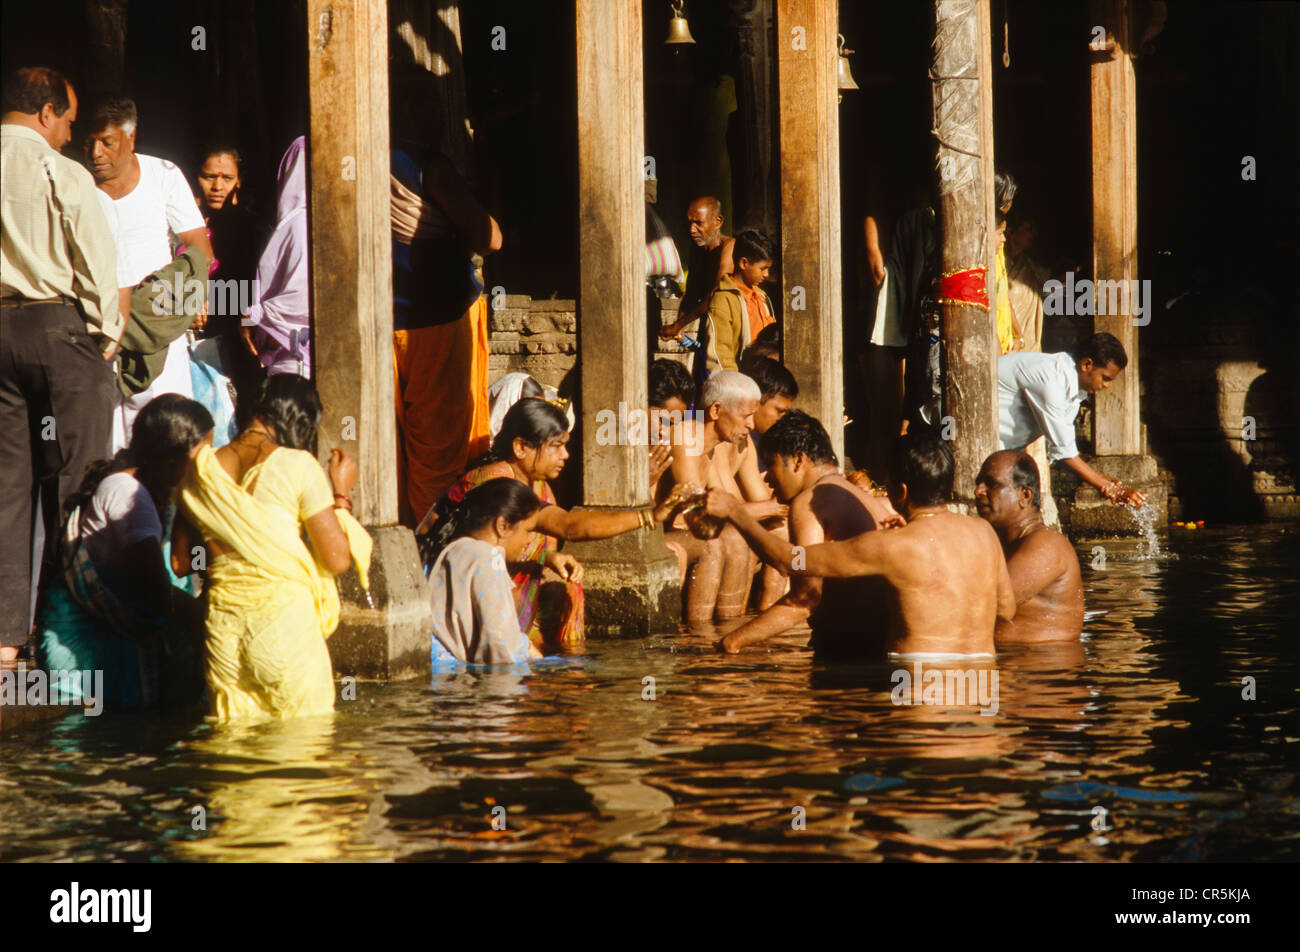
x,y
119,111
772,377
27,90
1024,475
753,246
288,404
1004,189
1103,349
728,387
533,421
798,432
165,432
923,462
769,336
670,379
503,498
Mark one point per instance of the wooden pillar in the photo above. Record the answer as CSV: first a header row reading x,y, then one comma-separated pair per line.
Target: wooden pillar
x,y
631,580
352,326
756,199
611,244
961,82
1117,427
106,26
810,208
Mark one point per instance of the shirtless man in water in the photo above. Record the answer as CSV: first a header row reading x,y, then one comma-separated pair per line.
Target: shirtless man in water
x,y
802,469
946,580
1043,565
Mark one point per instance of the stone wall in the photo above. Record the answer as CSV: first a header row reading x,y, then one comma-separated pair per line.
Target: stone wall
x,y
540,337
1220,412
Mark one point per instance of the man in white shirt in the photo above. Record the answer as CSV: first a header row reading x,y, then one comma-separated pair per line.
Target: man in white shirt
x,y
146,200
1040,395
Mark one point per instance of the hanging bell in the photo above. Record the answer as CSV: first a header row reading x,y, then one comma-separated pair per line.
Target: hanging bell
x,y
843,74
679,31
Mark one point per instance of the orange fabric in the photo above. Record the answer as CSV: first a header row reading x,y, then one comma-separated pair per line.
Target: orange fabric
x,y
442,405
759,318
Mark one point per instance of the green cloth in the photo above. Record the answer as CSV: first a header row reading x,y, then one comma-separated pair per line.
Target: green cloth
x,y
158,318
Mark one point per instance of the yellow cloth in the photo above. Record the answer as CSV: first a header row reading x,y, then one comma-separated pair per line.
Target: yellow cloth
x,y
271,604
1006,330
1027,278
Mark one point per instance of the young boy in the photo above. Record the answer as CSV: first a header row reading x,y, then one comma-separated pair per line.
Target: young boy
x,y
740,308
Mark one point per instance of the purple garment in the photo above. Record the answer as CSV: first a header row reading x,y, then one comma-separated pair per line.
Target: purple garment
x,y
282,294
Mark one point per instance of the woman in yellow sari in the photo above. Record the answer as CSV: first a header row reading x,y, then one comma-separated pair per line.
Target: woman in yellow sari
x,y
532,447
272,600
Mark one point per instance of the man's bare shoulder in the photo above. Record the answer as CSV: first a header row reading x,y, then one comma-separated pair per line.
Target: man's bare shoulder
x,y
945,529
1047,543
689,433
839,506
728,458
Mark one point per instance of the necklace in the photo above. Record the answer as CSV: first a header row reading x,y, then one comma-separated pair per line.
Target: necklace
x,y
1028,529
921,515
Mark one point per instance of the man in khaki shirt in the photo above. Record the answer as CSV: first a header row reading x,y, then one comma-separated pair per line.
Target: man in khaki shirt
x,y
60,323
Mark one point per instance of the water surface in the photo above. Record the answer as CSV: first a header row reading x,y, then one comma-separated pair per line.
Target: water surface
x,y
1135,745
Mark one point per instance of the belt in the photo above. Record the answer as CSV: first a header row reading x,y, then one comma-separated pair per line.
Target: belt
x,y
31,302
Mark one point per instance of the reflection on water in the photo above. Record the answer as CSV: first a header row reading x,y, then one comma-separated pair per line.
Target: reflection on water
x,y
1135,745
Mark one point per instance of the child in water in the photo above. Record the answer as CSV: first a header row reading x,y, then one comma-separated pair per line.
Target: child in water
x,y
470,586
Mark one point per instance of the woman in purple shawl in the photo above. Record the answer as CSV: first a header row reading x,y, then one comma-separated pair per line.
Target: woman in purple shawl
x,y
278,335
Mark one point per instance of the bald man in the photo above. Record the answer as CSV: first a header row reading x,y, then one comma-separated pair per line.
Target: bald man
x,y
1043,565
708,261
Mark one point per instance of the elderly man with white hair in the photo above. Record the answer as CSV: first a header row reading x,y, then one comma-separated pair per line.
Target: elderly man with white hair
x,y
707,453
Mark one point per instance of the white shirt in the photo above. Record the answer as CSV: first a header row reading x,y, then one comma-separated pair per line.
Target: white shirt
x,y
141,219
1038,395
474,616
120,514
142,223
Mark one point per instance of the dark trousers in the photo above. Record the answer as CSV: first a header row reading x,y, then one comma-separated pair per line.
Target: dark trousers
x,y
56,406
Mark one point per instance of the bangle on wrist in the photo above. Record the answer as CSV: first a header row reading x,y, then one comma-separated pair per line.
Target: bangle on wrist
x,y
347,503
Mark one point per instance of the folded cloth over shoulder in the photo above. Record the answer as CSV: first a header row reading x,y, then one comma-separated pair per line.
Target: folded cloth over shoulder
x,y
159,316
262,536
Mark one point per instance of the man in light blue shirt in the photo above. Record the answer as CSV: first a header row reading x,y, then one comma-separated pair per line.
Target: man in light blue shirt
x,y
1040,394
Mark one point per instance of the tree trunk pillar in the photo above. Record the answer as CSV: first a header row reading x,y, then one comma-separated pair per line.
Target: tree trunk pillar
x,y
961,82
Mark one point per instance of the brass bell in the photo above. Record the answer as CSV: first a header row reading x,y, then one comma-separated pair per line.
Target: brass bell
x,y
679,31
843,74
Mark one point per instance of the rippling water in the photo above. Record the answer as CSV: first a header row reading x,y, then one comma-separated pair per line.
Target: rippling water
x,y
1136,745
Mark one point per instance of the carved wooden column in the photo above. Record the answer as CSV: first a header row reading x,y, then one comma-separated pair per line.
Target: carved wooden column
x,y
810,208
352,327
1117,426
631,580
755,187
